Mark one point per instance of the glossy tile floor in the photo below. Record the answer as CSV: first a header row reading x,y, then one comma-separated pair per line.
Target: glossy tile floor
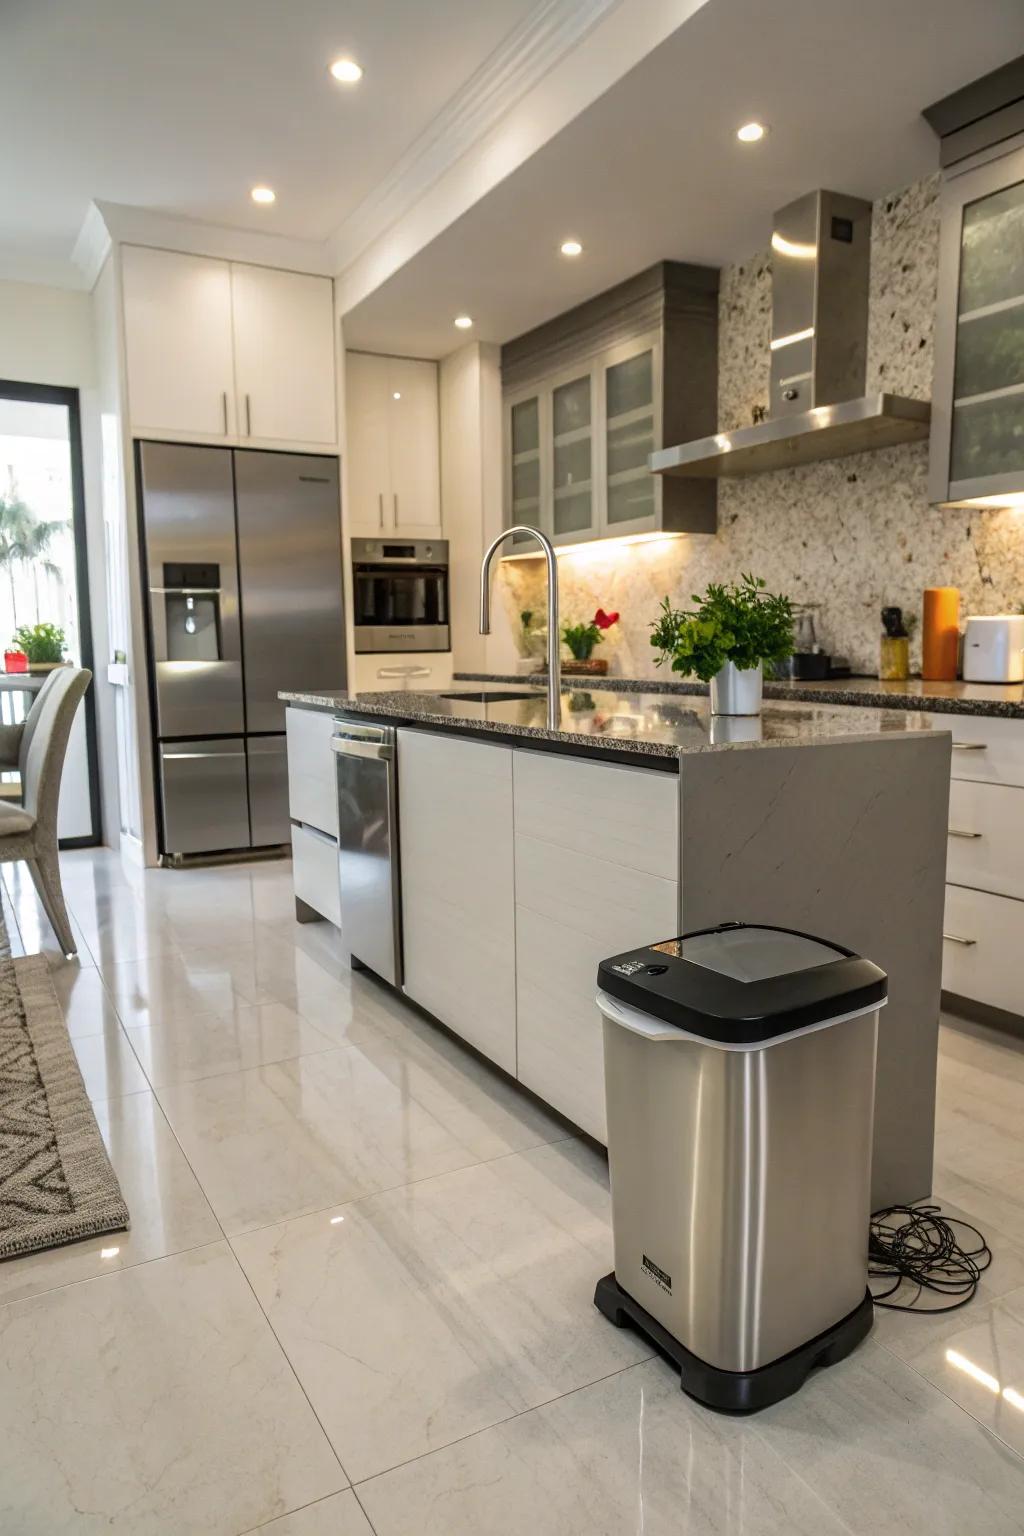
x,y
356,1293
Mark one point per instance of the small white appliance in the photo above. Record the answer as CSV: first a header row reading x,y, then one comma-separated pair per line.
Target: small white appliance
x,y
994,648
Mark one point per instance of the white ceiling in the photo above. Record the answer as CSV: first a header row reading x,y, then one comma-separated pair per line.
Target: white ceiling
x,y
182,105
652,169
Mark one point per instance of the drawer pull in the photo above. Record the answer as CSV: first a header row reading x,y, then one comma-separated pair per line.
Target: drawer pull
x,y
954,938
958,832
970,746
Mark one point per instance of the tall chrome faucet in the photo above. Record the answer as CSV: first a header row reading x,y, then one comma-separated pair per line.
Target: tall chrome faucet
x,y
554,633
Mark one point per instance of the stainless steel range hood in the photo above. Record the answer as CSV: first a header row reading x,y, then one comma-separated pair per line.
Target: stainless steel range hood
x,y
821,254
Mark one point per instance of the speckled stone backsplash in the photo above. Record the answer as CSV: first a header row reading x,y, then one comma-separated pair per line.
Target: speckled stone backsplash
x,y
851,535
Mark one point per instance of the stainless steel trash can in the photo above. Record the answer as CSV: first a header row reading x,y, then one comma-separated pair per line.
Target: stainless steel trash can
x,y
740,1075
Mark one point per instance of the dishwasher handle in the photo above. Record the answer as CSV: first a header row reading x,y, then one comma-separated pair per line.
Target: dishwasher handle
x,y
349,746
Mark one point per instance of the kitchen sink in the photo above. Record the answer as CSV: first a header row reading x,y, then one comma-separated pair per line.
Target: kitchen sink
x,y
493,695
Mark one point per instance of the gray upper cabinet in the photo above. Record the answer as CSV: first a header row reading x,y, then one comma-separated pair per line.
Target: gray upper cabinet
x,y
590,395
978,419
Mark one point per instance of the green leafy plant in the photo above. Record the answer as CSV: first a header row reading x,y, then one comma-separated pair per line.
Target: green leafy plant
x,y
742,623
581,638
41,642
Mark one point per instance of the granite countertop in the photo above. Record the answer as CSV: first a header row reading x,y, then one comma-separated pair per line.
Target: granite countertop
x,y
1001,699
623,720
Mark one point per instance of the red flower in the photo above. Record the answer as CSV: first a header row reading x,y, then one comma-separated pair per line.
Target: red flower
x,y
605,620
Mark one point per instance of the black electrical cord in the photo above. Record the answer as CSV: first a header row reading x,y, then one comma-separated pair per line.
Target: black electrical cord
x,y
917,1244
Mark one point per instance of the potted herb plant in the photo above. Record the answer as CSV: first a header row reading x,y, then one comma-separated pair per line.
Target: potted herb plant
x,y
43,644
581,639
725,641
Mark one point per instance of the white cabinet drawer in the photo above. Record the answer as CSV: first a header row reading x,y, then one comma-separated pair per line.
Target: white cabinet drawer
x,y
382,673
986,750
315,872
984,941
312,789
986,837
631,814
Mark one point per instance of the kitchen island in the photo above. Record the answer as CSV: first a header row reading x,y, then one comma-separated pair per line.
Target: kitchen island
x,y
528,854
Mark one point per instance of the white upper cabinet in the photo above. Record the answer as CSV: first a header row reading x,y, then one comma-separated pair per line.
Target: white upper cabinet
x,y
391,412
179,344
284,355
222,351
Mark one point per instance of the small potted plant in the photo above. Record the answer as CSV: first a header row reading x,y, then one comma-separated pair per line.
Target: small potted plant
x,y
43,644
581,639
725,641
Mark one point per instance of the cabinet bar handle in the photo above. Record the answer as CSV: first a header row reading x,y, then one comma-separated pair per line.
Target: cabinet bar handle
x,y
403,671
970,746
956,832
954,938
248,417
394,498
380,509
224,404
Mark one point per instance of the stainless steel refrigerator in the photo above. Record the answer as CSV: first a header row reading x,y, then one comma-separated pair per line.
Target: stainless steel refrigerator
x,y
242,559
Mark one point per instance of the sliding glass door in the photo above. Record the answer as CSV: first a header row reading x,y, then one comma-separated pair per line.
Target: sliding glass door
x,y
44,591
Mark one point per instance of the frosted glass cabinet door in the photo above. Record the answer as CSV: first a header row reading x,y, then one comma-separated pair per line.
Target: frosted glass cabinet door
x,y
572,458
524,490
629,438
987,437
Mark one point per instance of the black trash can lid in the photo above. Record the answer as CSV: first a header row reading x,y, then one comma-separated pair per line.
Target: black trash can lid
x,y
744,983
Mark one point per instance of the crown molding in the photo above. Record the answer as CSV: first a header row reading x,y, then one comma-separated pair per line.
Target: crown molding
x,y
92,247
526,55
124,224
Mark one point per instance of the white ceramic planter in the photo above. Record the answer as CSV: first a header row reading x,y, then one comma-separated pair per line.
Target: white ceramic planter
x,y
736,691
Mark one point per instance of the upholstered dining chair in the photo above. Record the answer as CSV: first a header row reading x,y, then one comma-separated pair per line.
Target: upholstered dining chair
x,y
29,831
14,739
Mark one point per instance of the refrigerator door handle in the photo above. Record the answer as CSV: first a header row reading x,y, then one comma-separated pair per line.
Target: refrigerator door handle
x,y
180,757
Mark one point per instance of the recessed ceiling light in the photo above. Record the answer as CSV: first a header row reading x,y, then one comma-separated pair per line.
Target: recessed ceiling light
x,y
263,195
463,322
347,71
751,132
571,248
396,394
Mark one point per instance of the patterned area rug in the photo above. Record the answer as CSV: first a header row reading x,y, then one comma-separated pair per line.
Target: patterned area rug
x,y
56,1182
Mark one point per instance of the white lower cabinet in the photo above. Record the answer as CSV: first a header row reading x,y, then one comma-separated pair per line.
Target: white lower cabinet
x,y
983,942
312,781
458,904
575,907
315,872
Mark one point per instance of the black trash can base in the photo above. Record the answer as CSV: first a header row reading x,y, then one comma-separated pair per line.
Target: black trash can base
x,y
737,1391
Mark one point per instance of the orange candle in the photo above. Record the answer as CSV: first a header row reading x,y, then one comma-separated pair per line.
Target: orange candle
x,y
940,634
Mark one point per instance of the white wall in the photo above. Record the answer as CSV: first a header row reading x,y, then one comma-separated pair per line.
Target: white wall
x,y
470,410
46,337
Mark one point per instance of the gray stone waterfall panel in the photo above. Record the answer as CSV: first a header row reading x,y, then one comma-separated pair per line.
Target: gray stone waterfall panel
x,y
847,841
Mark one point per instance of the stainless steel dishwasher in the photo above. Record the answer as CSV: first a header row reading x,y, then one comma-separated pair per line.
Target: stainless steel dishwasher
x,y
368,844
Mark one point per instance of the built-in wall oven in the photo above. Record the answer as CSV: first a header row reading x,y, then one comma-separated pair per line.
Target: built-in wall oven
x,y
400,595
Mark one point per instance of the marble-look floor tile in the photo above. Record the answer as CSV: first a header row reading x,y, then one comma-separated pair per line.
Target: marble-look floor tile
x,y
867,1446
169,1212
976,1357
416,1317
339,1515
629,1454
108,1065
85,1002
279,1141
189,1047
154,1400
